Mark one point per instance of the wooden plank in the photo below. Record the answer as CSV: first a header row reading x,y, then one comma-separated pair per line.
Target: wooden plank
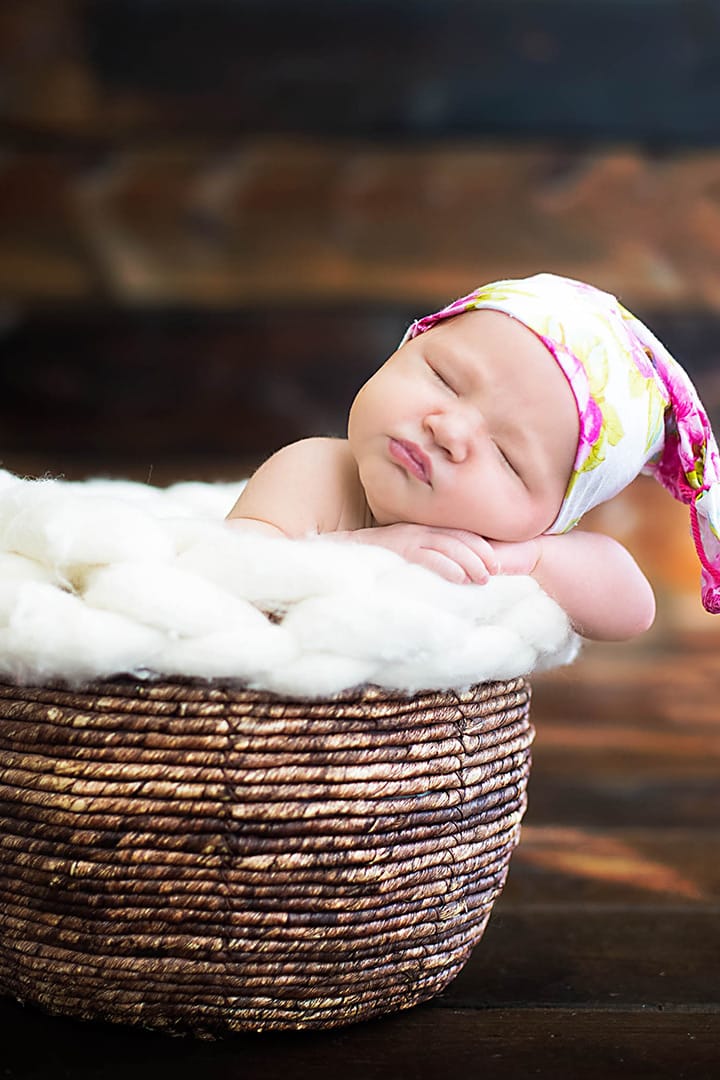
x,y
212,224
159,471
426,1043
628,736
571,864
595,957
414,69
222,383
237,385
620,798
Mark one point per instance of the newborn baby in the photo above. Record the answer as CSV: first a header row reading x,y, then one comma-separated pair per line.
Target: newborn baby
x,y
480,443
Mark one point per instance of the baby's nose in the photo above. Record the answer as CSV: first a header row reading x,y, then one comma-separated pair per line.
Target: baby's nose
x,y
451,432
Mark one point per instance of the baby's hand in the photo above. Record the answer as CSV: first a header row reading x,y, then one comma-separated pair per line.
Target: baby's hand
x,y
457,555
516,557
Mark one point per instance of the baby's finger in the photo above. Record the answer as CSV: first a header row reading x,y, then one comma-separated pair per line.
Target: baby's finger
x,y
481,547
443,565
471,565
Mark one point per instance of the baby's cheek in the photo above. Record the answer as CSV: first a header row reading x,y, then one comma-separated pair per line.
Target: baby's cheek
x,y
376,495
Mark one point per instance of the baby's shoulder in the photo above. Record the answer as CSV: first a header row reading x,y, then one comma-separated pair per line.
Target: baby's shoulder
x,y
320,447
320,474
324,456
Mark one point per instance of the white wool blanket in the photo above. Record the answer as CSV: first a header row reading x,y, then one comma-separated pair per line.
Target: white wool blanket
x,y
110,577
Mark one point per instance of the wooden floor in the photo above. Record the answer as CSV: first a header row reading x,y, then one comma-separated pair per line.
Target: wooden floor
x,y
602,957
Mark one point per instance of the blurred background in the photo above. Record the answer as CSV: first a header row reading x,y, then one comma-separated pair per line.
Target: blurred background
x,y
218,216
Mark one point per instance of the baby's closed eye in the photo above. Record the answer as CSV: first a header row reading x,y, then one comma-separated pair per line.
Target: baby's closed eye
x,y
508,461
442,376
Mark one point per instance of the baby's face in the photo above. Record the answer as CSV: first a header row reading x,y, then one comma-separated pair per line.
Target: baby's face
x,y
471,425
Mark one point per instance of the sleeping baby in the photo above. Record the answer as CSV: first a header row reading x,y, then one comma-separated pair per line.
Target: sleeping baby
x,y
496,425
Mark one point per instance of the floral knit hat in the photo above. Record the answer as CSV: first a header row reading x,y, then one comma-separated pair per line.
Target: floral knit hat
x,y
639,412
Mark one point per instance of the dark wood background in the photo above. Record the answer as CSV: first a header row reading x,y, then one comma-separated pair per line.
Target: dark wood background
x,y
217,216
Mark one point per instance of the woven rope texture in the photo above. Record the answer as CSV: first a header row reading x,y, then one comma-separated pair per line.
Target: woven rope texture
x,y
209,859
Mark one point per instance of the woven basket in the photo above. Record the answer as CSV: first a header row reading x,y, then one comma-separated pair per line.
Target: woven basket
x,y
208,859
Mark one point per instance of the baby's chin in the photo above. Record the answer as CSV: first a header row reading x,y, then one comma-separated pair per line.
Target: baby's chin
x,y
498,536
382,509
385,513
382,517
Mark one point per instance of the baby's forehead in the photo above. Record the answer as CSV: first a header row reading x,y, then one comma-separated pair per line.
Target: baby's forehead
x,y
487,336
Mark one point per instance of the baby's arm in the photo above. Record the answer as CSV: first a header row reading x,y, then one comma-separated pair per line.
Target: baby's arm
x,y
592,577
